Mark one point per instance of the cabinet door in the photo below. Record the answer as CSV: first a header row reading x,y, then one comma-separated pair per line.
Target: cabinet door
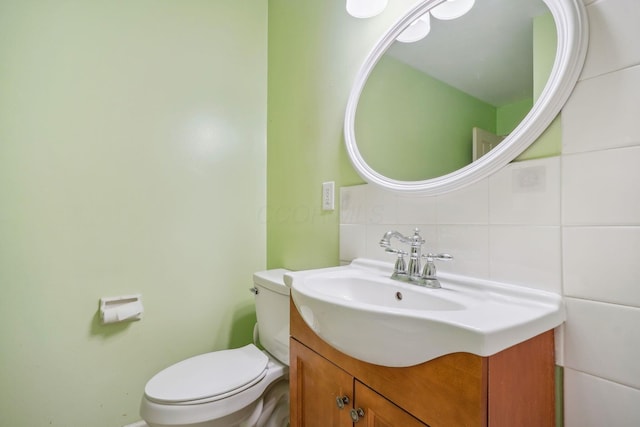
x,y
380,412
316,385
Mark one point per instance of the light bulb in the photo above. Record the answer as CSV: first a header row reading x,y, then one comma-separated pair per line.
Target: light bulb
x,y
452,9
417,30
365,8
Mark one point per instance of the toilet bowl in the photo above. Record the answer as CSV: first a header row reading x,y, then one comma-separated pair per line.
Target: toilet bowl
x,y
242,387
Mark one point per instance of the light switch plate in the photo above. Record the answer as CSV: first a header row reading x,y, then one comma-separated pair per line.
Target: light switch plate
x,y
328,196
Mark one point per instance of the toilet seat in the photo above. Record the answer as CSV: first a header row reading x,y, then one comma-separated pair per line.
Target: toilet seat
x,y
208,377
219,412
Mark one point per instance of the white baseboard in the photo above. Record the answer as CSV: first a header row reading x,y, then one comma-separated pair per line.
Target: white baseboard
x,y
137,424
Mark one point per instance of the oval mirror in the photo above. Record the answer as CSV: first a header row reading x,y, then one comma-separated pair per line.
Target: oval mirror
x,y
439,113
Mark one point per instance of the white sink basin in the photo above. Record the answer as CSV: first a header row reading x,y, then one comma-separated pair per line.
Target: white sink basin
x,y
360,311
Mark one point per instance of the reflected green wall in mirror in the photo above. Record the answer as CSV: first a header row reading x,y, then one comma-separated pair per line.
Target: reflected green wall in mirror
x,y
544,41
429,122
508,116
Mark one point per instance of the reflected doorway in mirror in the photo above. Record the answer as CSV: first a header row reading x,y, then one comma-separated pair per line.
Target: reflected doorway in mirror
x,y
483,141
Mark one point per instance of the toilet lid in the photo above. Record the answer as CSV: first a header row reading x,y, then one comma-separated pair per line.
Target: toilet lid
x,y
207,376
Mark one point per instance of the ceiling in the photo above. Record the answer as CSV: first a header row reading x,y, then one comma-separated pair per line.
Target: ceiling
x,y
487,53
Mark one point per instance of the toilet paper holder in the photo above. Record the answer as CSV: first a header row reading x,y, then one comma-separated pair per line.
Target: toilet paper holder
x,y
121,309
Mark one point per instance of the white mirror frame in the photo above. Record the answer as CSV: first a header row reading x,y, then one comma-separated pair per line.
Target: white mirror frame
x,y
572,31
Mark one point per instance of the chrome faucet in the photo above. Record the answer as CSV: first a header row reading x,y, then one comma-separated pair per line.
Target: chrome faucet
x,y
413,273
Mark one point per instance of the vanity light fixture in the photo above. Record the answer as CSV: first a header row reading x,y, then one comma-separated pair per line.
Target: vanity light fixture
x,y
365,8
452,9
417,30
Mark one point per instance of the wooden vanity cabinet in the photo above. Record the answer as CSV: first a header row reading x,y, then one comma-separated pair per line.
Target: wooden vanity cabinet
x,y
316,384
514,388
320,385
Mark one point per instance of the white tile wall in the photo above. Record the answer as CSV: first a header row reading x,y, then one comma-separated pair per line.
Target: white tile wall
x,y
526,193
526,256
602,339
417,210
601,219
602,112
361,205
383,206
601,263
469,205
352,241
569,224
592,402
470,244
613,30
601,187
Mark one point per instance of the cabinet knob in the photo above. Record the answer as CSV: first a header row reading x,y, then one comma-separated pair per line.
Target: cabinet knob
x,y
356,414
341,401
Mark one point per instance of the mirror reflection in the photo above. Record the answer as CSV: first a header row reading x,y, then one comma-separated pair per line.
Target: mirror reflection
x,y
432,106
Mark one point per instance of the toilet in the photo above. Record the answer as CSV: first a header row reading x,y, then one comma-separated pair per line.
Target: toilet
x,y
242,387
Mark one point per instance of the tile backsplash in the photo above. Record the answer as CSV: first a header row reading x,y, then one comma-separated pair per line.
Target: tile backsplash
x,y
504,228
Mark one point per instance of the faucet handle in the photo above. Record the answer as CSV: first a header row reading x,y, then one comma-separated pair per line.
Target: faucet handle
x,y
430,267
400,267
439,257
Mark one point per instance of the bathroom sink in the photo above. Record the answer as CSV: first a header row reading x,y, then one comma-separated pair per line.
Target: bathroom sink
x,y
360,311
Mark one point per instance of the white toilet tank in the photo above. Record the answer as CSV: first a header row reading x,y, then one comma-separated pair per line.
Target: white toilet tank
x,y
272,311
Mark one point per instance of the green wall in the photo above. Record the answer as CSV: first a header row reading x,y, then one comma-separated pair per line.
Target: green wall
x,y
132,159
314,51
411,126
544,51
510,115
